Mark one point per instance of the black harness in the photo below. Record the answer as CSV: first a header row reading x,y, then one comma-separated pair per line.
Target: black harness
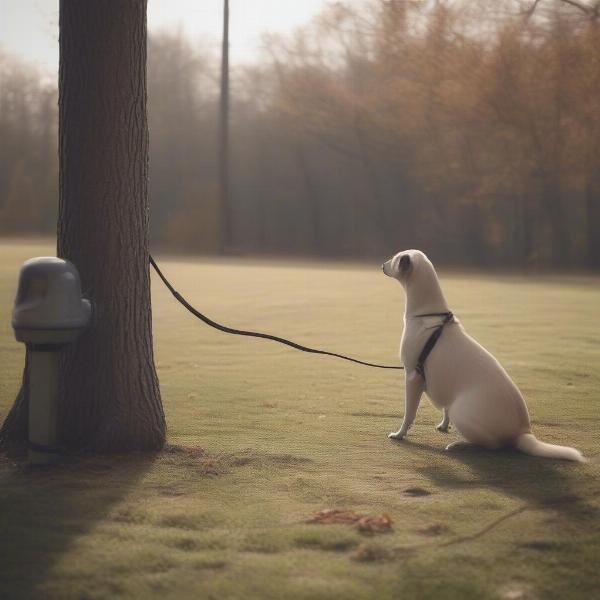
x,y
432,341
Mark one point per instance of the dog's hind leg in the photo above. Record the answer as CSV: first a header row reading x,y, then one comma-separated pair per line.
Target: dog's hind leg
x,y
445,424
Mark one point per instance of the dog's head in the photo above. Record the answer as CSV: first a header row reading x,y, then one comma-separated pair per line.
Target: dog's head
x,y
402,265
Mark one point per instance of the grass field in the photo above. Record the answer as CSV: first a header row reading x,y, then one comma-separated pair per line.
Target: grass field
x,y
286,434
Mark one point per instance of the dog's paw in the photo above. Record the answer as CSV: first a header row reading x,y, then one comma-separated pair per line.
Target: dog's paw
x,y
397,435
443,427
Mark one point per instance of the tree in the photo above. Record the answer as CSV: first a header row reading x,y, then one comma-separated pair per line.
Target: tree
x,y
183,119
468,129
109,398
28,162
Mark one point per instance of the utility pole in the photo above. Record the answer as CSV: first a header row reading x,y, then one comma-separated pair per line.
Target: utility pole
x,y
224,170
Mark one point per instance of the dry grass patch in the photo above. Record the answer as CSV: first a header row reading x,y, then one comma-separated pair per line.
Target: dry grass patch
x,y
261,436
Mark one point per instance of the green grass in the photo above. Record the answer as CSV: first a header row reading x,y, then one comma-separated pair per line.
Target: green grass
x,y
286,434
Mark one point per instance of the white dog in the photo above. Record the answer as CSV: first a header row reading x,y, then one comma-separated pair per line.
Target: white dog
x,y
460,377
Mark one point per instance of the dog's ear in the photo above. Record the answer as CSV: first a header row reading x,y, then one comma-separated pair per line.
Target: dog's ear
x,y
404,264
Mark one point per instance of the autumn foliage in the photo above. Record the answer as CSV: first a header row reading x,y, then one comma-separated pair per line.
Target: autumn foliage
x,y
468,129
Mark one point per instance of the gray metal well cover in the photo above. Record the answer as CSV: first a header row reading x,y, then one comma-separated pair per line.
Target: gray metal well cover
x,y
49,296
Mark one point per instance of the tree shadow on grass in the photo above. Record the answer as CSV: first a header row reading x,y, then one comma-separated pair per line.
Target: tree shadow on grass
x,y
43,510
539,483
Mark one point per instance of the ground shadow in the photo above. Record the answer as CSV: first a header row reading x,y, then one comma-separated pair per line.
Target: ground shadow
x,y
43,510
539,483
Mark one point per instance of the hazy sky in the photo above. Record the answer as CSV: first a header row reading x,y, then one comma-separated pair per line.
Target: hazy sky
x,y
29,28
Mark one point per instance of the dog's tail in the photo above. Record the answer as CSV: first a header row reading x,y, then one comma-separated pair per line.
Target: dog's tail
x,y
529,444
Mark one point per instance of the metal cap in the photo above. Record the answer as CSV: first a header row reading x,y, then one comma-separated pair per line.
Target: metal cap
x,y
49,297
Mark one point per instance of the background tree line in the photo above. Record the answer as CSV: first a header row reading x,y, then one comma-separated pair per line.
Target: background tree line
x,y
470,130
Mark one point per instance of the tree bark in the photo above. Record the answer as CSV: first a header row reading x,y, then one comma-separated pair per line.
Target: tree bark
x,y
311,197
555,213
15,427
109,398
593,222
370,170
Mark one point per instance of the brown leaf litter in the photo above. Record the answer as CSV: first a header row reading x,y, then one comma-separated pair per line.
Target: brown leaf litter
x,y
368,524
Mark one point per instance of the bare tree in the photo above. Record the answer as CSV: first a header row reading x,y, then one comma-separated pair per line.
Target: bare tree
x,y
589,9
459,127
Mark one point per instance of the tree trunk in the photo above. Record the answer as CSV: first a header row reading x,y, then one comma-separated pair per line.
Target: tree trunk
x,y
312,202
593,222
262,185
15,427
109,398
551,199
370,170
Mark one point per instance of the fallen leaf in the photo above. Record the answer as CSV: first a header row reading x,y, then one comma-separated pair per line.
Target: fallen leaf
x,y
375,524
332,515
189,450
365,524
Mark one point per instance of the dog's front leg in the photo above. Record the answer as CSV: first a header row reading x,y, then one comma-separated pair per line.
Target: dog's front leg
x,y
415,385
445,424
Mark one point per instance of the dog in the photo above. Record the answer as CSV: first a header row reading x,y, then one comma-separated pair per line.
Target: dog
x,y
459,376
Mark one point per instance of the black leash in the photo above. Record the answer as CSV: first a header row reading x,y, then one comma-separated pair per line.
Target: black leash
x,y
265,336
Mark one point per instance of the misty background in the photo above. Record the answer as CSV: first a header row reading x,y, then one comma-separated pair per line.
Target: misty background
x,y
470,130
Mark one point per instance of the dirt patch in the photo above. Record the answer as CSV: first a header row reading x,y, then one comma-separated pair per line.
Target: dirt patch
x,y
370,553
433,530
202,463
417,492
253,457
183,450
540,545
195,458
332,516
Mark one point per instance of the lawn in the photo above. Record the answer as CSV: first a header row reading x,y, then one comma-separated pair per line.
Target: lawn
x,y
262,436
